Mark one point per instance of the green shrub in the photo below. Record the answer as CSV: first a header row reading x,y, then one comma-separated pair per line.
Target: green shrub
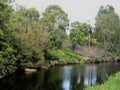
x,y
65,56
28,64
73,56
99,59
56,54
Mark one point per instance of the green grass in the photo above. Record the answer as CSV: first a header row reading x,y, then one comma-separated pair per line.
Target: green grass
x,y
113,83
65,56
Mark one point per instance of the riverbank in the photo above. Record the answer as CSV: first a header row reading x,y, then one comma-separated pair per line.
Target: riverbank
x,y
47,65
62,57
57,63
113,83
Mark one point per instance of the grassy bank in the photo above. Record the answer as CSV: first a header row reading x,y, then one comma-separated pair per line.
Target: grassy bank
x,y
63,57
113,83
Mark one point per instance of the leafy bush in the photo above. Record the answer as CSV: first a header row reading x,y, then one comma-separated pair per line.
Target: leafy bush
x,y
99,59
94,42
6,65
65,56
28,64
73,56
56,54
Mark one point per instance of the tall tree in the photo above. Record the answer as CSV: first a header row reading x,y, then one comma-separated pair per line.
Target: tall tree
x,y
107,27
55,21
32,14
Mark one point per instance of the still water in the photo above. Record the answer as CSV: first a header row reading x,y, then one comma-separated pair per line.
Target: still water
x,y
70,77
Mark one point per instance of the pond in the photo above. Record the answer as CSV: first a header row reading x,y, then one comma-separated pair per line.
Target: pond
x,y
69,77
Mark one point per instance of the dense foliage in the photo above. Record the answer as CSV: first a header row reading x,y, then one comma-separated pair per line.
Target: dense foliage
x,y
27,40
30,39
108,29
7,57
80,33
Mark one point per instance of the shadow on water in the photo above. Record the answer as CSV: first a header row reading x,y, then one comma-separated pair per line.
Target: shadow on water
x,y
71,77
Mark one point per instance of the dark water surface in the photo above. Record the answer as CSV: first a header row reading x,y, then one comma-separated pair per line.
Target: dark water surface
x,y
70,77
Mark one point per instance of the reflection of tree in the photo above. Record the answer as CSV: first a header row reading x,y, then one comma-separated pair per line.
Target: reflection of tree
x,y
106,69
101,73
77,81
22,82
77,77
73,78
90,75
66,83
53,80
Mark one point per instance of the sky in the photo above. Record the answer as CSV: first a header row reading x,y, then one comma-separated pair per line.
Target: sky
x,y
77,10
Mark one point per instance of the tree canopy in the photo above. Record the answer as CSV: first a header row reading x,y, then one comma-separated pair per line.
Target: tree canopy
x,y
107,27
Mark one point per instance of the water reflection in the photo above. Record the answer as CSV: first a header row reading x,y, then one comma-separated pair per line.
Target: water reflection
x,y
76,76
71,77
90,75
66,78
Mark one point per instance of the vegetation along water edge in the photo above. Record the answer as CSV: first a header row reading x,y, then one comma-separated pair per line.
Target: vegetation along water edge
x,y
113,83
30,39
